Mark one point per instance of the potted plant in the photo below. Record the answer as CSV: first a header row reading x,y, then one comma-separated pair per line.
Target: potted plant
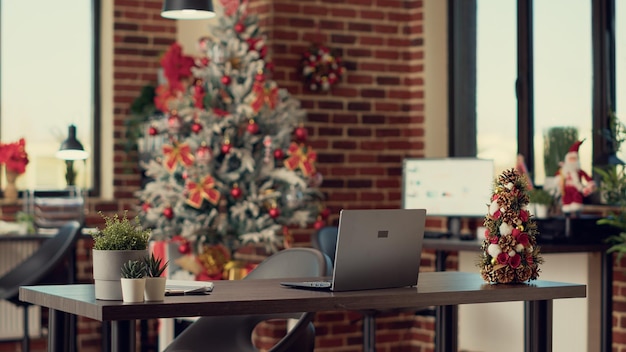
x,y
155,282
118,242
540,201
133,280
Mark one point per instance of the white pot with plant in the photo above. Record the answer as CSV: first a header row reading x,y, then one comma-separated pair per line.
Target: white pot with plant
x,y
540,202
155,282
133,281
118,242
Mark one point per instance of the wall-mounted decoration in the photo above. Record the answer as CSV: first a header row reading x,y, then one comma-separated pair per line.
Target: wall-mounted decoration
x,y
322,68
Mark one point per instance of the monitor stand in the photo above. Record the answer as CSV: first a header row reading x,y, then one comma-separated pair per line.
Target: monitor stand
x,y
459,228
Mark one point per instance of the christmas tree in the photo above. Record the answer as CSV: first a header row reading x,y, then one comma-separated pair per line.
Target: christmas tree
x,y
233,165
510,251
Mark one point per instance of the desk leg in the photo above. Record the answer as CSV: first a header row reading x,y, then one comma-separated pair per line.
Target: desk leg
x,y
369,332
446,329
538,326
58,339
123,336
606,313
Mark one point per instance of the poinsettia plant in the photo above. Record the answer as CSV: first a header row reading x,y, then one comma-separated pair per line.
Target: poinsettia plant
x,y
13,156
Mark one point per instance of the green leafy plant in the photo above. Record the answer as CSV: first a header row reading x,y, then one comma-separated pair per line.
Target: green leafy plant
x,y
121,234
154,266
556,143
134,269
540,196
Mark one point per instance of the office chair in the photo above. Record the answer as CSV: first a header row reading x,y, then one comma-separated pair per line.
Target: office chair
x,y
234,333
37,269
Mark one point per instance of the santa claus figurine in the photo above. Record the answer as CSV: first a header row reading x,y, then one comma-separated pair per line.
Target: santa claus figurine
x,y
575,184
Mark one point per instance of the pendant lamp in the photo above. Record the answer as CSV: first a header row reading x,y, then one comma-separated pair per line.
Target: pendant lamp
x,y
188,9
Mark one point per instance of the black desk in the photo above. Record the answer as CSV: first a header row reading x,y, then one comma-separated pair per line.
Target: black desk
x,y
446,325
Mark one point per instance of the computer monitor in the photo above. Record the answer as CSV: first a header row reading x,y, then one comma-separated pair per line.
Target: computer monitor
x,y
449,187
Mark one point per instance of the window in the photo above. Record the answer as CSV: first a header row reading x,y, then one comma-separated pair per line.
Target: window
x,y
539,65
48,60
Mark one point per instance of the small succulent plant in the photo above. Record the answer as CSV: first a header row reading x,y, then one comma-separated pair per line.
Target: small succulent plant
x,y
134,269
154,266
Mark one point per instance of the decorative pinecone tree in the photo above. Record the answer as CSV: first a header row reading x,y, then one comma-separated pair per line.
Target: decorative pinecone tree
x,y
510,251
231,164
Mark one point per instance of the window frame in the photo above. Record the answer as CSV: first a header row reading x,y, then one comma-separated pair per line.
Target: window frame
x,y
96,49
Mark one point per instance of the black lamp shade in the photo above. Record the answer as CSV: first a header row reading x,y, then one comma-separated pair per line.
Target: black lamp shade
x,y
188,9
71,148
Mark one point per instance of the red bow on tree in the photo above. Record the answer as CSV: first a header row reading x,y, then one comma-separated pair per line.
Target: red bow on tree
x,y
266,94
301,157
177,153
202,190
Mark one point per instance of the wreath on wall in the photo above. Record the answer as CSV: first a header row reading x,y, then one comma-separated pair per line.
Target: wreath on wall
x,y
321,68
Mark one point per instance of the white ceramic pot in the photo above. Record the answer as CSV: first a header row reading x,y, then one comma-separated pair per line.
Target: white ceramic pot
x,y
133,289
107,271
155,289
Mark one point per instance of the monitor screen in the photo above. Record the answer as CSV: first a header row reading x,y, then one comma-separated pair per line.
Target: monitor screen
x,y
455,187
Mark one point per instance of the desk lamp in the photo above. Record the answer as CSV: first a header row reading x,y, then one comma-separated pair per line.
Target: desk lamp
x,y
71,149
188,9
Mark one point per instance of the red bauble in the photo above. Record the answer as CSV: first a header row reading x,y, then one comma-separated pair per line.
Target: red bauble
x,y
274,213
203,154
168,213
173,123
184,248
319,224
325,213
259,77
196,127
226,80
301,134
253,127
239,28
226,148
204,61
279,154
145,207
153,131
236,192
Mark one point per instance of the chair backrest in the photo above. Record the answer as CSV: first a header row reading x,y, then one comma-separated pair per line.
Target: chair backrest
x,y
293,263
233,333
325,239
52,209
41,263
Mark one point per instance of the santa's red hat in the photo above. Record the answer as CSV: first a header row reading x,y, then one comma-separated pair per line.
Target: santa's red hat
x,y
574,147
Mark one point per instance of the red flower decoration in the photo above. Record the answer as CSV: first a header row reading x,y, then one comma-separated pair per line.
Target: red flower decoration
x,y
503,258
514,261
176,66
14,156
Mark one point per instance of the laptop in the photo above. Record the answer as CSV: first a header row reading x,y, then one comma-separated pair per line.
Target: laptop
x,y
375,249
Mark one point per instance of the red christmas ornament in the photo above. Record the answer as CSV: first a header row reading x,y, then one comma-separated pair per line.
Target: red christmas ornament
x,y
274,212
239,28
145,207
204,61
325,213
279,154
203,154
173,123
253,127
168,213
236,192
301,134
226,80
259,77
226,148
319,224
184,248
153,131
196,127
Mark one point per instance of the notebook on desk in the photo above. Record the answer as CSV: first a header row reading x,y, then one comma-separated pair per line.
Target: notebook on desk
x,y
375,249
